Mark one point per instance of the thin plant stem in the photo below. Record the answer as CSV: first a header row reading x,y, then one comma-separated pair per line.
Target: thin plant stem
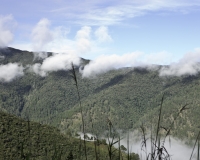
x,y
77,89
198,151
195,145
128,146
119,148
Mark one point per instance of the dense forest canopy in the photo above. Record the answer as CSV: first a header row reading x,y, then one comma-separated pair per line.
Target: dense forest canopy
x,y
125,96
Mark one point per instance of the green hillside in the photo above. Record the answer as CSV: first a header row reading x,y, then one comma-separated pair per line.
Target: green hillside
x,y
20,139
126,96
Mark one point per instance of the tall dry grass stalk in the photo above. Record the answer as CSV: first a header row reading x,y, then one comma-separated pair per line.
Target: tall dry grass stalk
x,y
158,150
197,141
95,141
111,140
81,109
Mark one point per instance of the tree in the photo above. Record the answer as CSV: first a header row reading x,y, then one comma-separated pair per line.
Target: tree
x,y
123,148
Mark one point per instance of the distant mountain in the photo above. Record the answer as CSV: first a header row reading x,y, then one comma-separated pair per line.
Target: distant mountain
x,y
126,96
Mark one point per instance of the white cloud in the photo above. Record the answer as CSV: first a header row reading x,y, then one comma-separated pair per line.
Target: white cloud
x,y
106,63
6,35
188,65
40,55
102,34
114,12
41,35
10,71
83,42
56,39
60,42
55,63
83,39
36,68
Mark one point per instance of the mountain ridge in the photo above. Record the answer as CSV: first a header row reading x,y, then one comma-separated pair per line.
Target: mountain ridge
x,y
126,96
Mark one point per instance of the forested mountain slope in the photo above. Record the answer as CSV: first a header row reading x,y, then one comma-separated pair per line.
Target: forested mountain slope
x,y
23,139
127,96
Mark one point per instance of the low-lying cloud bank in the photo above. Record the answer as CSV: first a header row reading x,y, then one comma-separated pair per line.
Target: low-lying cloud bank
x,y
55,63
189,64
10,71
177,149
106,63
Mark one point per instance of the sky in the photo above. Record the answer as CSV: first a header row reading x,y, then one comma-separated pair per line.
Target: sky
x,y
148,31
112,33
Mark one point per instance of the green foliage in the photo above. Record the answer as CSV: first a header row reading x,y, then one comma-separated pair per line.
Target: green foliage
x,y
126,96
20,139
134,156
123,148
